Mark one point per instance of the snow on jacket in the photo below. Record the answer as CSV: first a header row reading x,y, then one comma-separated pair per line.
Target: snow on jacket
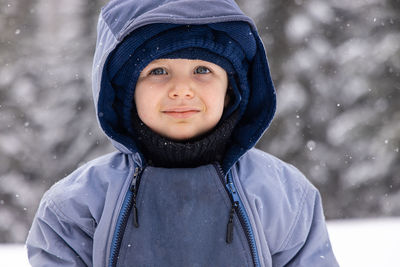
x,y
100,216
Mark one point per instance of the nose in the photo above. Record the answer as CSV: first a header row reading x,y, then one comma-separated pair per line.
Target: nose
x,y
181,89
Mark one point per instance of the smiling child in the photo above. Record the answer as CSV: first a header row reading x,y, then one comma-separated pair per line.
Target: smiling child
x,y
182,89
180,98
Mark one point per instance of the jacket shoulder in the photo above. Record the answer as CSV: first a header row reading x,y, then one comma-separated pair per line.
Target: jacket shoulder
x,y
276,193
81,195
65,223
286,210
273,170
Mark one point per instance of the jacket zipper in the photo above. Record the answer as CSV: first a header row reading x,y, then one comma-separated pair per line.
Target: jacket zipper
x,y
129,202
237,206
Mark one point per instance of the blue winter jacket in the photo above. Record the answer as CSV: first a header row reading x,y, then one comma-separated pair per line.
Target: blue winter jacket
x,y
250,210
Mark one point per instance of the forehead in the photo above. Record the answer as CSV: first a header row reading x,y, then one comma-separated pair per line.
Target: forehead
x,y
181,62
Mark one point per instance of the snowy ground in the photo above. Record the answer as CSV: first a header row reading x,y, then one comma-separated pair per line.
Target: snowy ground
x,y
366,243
357,243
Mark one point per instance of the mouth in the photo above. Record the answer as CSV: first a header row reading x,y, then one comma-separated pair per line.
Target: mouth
x,y
181,112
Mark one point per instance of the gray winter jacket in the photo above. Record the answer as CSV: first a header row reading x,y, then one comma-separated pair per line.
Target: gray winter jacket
x,y
100,216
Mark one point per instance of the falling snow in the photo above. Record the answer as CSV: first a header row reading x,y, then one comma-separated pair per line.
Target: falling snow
x,y
336,69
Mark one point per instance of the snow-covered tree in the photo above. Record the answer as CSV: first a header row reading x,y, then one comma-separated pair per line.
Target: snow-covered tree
x,y
47,121
336,66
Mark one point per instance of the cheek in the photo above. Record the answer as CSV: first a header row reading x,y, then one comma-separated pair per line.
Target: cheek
x,y
215,106
147,115
217,99
143,101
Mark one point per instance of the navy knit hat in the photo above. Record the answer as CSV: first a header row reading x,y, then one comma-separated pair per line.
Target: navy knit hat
x,y
175,41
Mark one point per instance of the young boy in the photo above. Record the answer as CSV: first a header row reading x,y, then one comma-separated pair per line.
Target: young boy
x,y
183,91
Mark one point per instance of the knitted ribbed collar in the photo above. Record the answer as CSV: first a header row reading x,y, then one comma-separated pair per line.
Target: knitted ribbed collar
x,y
160,151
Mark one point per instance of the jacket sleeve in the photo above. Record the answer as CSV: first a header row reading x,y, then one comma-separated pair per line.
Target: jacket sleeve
x,y
56,240
307,243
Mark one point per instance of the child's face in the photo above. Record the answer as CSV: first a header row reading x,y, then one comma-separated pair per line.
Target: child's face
x,y
181,98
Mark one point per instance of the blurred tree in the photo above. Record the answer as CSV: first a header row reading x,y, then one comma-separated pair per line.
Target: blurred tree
x,y
336,66
47,119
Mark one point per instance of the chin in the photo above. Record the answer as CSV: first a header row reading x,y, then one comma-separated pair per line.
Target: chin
x,y
182,136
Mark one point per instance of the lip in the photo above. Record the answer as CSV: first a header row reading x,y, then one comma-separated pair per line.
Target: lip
x,y
181,112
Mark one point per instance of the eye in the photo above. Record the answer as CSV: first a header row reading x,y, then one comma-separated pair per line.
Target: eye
x,y
202,70
158,71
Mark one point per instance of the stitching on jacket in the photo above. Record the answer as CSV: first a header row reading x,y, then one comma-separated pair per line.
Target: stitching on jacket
x,y
250,213
244,242
296,220
118,206
306,191
57,243
128,28
53,206
224,196
243,196
105,19
141,191
213,173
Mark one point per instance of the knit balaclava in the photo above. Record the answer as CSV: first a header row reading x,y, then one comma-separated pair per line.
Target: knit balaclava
x,y
188,42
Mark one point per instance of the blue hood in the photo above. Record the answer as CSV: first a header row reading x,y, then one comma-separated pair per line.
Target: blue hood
x,y
121,18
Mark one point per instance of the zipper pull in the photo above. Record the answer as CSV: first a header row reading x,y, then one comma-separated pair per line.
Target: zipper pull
x,y
229,230
135,215
134,189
